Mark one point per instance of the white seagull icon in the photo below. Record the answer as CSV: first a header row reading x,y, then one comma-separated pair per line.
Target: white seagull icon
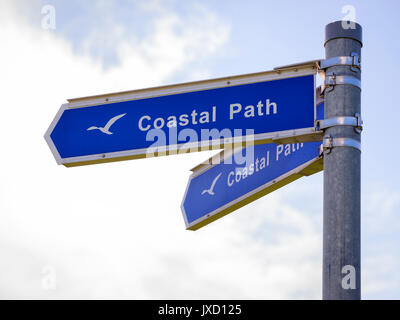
x,y
106,128
211,190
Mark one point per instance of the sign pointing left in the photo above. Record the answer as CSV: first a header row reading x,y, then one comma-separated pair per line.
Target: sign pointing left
x,y
187,117
216,190
235,178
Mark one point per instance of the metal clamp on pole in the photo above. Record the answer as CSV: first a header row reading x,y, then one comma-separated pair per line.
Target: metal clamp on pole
x,y
329,143
355,122
332,80
353,61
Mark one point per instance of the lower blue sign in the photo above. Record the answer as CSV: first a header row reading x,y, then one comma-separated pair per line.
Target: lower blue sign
x,y
223,188
246,175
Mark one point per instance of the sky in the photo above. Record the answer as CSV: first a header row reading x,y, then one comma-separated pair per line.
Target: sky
x,y
116,230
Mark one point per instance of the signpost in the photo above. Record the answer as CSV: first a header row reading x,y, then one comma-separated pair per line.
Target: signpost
x,y
184,118
342,169
260,108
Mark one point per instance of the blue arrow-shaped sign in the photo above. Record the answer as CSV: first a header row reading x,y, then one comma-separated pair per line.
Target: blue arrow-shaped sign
x,y
244,176
180,118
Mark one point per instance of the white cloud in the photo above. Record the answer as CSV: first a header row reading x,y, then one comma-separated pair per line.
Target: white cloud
x,y
381,206
380,242
115,230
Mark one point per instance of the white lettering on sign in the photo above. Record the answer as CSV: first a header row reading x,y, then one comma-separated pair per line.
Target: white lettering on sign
x,y
251,111
146,122
287,149
261,109
241,174
282,151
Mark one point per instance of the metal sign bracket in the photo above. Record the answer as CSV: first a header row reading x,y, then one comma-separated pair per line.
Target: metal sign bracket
x,y
354,61
329,143
355,122
332,80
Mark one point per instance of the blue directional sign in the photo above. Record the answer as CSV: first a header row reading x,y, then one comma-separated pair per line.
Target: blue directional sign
x,y
243,176
174,119
224,188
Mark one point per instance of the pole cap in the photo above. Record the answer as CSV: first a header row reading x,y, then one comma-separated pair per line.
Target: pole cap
x,y
343,29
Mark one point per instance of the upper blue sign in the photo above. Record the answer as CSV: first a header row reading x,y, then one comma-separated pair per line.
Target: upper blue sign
x,y
174,118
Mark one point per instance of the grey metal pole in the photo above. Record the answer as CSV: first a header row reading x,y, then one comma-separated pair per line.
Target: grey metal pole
x,y
341,219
